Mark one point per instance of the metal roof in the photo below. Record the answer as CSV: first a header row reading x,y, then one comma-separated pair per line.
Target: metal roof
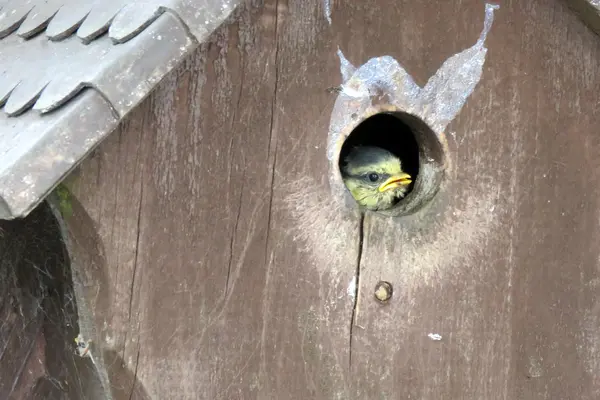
x,y
70,70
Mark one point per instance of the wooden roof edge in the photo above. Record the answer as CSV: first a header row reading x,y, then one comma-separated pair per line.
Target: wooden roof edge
x,y
588,11
60,146
47,129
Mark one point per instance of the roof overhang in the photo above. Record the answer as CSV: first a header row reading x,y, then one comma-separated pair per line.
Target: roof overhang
x,y
70,72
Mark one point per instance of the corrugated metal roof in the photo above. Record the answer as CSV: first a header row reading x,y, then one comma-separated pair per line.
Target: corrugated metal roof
x,y
71,69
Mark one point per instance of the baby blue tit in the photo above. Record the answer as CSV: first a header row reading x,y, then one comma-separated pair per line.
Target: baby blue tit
x,y
374,177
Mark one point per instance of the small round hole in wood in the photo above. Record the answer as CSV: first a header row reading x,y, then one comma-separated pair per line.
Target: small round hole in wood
x,y
374,180
383,291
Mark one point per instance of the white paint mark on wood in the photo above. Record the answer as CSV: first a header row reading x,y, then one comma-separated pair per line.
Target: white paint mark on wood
x,y
322,228
536,369
428,256
352,287
438,103
326,224
346,68
327,8
447,91
435,336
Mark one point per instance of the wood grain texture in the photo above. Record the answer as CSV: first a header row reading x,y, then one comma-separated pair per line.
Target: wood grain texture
x,y
228,271
503,264
210,295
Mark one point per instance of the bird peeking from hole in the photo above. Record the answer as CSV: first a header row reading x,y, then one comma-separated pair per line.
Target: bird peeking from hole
x,y
374,177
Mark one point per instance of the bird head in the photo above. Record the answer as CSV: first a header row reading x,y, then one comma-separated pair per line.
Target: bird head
x,y
374,177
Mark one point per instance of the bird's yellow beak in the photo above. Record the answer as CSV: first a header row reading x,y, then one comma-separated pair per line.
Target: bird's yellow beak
x,y
395,181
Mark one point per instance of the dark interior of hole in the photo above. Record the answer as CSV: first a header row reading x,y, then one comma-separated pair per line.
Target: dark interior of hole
x,y
389,132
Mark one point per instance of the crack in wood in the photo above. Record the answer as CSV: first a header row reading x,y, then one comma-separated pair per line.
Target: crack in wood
x,y
239,208
268,272
233,234
135,264
361,236
135,372
271,125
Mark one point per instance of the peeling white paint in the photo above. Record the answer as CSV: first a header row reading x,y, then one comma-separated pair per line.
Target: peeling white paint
x,y
346,68
438,103
327,8
325,224
352,287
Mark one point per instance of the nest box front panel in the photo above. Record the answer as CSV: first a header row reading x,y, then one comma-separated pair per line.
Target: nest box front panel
x,y
249,255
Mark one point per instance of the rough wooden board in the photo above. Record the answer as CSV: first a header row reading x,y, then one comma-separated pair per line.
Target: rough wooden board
x,y
504,266
206,300
588,11
313,248
228,278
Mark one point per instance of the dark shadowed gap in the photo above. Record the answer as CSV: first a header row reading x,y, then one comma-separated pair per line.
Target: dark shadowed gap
x,y
38,312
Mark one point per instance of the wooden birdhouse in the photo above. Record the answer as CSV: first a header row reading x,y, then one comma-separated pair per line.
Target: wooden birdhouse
x,y
178,222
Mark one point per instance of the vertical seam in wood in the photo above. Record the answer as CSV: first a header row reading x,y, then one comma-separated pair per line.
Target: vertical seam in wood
x,y
272,123
137,361
135,265
233,234
135,262
273,103
361,235
239,208
137,243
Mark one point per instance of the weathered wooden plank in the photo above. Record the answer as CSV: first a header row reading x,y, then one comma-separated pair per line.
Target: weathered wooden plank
x,y
184,225
225,269
206,185
215,290
313,245
503,265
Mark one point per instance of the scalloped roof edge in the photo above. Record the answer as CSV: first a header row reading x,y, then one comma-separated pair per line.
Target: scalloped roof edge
x,y
39,146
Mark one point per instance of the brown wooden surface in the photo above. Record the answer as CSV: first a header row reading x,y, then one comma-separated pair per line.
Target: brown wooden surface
x,y
226,270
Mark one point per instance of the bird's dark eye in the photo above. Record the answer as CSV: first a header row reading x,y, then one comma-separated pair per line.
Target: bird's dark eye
x,y
373,177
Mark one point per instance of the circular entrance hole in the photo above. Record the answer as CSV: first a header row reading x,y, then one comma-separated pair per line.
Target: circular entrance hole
x,y
410,140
